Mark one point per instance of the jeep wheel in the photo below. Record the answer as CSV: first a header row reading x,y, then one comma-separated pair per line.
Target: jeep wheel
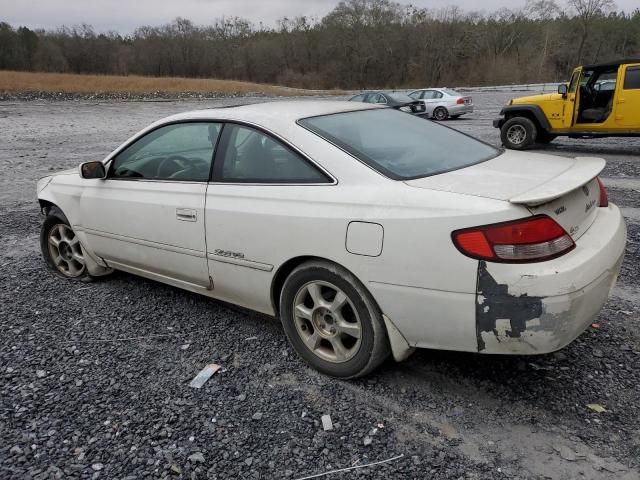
x,y
518,133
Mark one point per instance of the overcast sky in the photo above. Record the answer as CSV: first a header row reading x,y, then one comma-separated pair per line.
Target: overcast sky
x,y
125,15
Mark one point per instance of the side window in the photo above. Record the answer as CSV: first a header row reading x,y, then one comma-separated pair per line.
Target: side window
x,y
358,98
437,94
632,78
574,82
182,151
247,155
416,95
380,99
428,94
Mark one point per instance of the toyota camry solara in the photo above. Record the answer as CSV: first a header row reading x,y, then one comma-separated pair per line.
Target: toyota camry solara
x,y
367,231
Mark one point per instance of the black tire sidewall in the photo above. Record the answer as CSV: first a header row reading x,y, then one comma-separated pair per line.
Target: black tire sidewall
x,y
446,113
365,309
529,128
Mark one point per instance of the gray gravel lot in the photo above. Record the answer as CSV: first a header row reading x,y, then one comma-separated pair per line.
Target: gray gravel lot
x,y
94,377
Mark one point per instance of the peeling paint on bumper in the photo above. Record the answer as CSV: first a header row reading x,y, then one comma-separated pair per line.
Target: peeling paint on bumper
x,y
538,308
543,324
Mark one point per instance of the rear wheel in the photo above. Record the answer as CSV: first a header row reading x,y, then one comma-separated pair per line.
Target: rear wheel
x,y
518,133
332,321
441,114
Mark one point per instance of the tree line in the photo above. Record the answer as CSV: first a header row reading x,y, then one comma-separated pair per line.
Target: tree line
x,y
359,44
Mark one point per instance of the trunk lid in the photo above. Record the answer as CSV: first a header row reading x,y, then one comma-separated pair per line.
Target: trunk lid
x,y
563,188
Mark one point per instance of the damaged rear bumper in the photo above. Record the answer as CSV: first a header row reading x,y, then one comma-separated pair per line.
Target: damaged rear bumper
x,y
541,307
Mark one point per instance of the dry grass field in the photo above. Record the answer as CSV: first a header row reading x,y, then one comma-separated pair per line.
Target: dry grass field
x,y
20,82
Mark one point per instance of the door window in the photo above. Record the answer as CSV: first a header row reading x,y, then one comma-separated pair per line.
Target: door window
x,y
358,98
574,82
632,78
177,152
248,155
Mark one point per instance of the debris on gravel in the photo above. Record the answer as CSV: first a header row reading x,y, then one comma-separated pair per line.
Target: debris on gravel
x,y
326,423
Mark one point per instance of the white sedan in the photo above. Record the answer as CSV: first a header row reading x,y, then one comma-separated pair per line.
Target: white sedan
x,y
369,232
443,103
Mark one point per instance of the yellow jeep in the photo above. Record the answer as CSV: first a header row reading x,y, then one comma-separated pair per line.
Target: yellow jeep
x,y
600,101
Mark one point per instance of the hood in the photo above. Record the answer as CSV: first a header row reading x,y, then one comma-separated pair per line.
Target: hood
x,y
70,171
535,98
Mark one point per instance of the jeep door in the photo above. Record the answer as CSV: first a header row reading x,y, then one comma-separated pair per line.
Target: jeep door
x,y
147,216
627,113
571,100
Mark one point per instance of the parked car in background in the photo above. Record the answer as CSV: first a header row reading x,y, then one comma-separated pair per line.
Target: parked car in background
x,y
367,231
601,100
443,103
397,100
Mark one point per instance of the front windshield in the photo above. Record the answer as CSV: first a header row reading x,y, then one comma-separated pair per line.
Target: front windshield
x,y
399,145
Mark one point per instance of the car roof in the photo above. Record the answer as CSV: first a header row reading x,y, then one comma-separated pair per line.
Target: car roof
x,y
613,63
288,111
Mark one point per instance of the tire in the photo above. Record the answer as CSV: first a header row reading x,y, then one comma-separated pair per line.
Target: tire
x,y
331,320
545,137
440,114
518,133
61,247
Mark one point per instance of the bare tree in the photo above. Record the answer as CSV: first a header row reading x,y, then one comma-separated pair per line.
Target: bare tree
x,y
586,11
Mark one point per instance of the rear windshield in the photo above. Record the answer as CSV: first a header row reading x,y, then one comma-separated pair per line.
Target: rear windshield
x,y
399,145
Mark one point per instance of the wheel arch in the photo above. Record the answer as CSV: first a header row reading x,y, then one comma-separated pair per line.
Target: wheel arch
x,y
532,112
46,206
400,348
285,270
290,265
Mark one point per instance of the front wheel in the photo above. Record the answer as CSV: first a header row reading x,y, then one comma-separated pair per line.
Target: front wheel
x,y
518,133
61,247
440,114
331,320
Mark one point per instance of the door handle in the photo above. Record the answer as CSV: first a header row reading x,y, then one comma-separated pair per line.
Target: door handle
x,y
186,214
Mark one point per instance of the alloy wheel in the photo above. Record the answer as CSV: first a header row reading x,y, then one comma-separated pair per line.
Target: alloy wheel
x,y
327,322
440,114
516,134
65,250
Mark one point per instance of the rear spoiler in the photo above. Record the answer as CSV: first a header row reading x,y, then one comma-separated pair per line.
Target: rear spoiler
x,y
583,170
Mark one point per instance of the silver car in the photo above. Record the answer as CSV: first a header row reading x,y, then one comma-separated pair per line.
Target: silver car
x,y
443,103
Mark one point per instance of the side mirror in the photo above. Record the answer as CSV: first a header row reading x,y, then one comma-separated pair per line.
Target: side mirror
x,y
92,170
563,89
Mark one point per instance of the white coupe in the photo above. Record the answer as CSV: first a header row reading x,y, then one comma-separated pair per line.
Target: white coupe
x,y
369,232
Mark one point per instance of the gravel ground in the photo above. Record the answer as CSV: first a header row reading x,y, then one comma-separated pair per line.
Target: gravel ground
x,y
94,377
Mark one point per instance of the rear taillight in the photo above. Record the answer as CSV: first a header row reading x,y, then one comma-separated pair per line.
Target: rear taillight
x,y
460,101
532,239
604,198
